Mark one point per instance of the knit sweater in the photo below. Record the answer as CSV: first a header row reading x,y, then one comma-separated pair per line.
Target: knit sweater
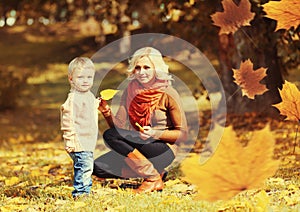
x,y
168,118
79,121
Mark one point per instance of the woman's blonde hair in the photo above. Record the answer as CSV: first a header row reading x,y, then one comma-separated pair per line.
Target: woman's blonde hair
x,y
161,68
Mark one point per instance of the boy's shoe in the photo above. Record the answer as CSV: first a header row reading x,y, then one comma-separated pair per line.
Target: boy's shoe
x,y
81,197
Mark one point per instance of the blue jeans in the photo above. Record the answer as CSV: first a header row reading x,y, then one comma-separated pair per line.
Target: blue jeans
x,y
83,169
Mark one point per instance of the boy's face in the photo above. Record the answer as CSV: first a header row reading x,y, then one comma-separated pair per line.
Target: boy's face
x,y
83,80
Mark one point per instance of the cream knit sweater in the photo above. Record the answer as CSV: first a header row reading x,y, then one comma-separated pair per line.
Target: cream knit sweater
x,y
79,121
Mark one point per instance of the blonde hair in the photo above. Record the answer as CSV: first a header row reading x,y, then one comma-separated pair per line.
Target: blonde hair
x,y
161,68
79,64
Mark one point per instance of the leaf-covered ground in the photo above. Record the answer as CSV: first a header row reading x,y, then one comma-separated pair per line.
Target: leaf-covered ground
x,y
36,173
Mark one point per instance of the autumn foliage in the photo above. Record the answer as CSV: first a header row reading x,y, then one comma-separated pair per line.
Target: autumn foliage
x,y
233,168
286,12
36,172
290,105
233,17
249,79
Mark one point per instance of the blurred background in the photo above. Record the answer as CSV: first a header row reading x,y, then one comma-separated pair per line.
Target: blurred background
x,y
39,38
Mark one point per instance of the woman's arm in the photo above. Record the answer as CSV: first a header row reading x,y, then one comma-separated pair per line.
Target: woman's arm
x,y
178,132
118,120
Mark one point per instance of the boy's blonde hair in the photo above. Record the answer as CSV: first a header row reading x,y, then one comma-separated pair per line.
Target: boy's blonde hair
x,y
80,63
161,68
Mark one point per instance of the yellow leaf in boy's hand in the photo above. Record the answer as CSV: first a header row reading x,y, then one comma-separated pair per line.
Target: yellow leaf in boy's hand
x,y
107,94
233,168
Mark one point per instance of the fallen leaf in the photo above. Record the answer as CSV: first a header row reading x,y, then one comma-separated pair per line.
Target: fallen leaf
x,y
107,94
233,17
170,183
60,202
285,12
10,208
12,181
290,105
249,79
262,201
79,204
35,172
232,168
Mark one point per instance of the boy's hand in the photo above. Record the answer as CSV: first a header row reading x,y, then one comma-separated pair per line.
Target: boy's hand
x,y
69,149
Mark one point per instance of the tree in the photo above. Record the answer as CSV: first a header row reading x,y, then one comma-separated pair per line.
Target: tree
x,y
191,20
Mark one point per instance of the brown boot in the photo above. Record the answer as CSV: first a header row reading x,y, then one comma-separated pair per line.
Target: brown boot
x,y
143,167
127,172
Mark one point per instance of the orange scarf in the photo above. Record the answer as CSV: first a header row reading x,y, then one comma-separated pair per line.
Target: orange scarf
x,y
142,101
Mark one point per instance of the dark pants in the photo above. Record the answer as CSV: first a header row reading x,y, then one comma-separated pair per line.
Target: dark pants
x,y
122,142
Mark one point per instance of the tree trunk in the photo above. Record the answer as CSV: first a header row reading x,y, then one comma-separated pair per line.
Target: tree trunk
x,y
258,44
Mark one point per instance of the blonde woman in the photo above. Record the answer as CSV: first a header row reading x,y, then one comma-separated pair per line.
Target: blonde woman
x,y
148,125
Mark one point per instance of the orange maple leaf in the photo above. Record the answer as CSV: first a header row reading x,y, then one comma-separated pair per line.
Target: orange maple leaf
x,y
285,12
233,16
290,105
248,79
233,168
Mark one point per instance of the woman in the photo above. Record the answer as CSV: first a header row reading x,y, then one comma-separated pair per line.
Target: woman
x,y
148,125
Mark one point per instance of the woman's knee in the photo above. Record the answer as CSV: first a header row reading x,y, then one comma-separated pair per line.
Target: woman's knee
x,y
109,134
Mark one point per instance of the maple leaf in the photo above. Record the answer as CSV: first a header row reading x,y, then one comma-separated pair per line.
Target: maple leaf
x,y
213,139
248,79
290,105
107,94
233,16
285,12
233,168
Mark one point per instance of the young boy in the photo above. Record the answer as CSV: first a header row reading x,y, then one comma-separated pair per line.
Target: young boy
x,y
79,123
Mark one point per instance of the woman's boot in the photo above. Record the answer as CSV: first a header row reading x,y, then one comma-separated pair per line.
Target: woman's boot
x,y
143,167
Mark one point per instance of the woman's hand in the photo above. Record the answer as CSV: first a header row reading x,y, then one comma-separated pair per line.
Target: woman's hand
x,y
148,132
103,107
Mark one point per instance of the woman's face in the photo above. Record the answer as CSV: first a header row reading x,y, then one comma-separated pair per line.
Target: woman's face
x,y
144,71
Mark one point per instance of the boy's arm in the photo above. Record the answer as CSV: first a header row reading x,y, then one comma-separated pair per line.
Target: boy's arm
x,y
67,125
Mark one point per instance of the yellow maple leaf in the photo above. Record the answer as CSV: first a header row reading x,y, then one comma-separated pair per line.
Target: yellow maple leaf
x,y
290,105
107,94
232,168
233,17
285,12
249,79
211,145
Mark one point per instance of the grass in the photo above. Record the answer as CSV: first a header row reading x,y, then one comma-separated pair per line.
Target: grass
x,y
38,178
